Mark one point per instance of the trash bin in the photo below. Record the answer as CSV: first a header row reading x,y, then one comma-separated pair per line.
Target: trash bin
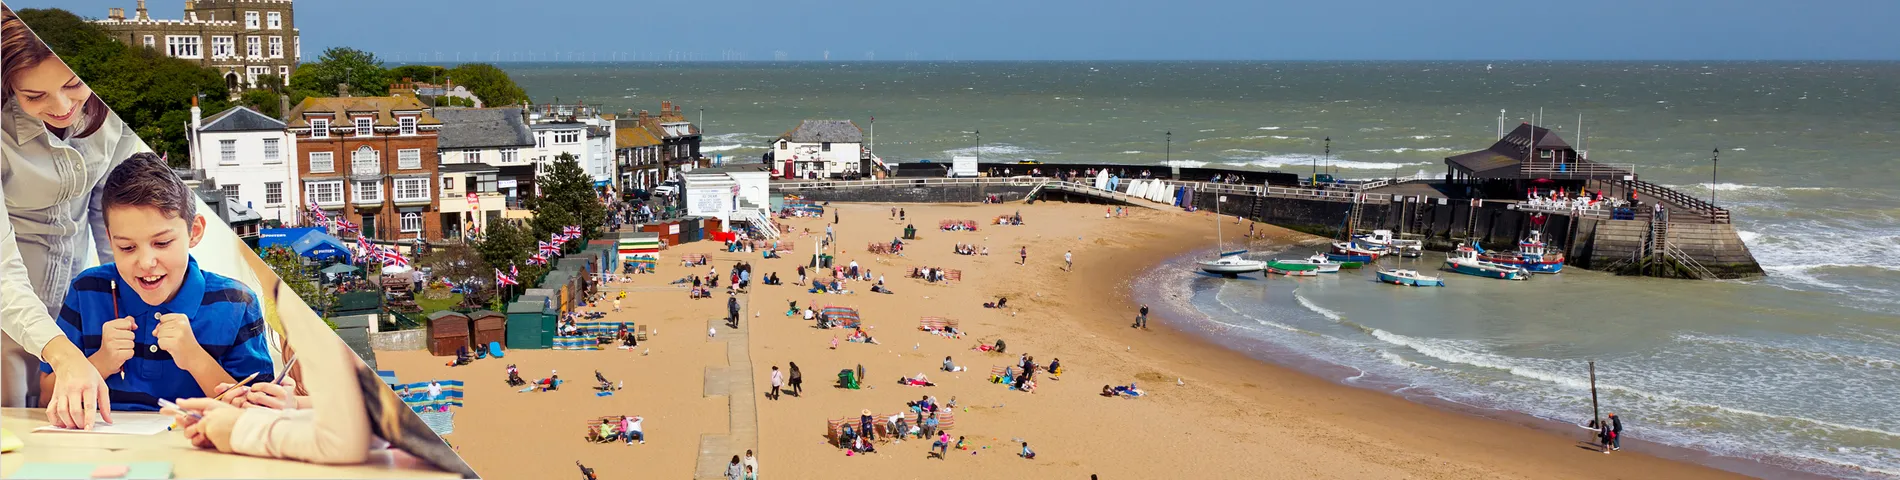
x,y
848,379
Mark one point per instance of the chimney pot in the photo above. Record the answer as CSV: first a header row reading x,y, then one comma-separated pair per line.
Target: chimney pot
x,y
343,90
283,107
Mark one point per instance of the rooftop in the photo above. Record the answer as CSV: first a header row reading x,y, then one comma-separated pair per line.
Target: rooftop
x,y
241,119
822,131
342,107
482,128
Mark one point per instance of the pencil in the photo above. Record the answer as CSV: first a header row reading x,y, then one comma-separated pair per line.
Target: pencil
x,y
115,315
240,383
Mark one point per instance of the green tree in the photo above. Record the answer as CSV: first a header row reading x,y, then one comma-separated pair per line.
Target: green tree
x,y
505,244
300,277
420,73
489,83
567,198
362,70
263,101
149,91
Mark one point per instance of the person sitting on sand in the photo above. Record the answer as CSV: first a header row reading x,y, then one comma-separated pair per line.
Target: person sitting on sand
x,y
960,445
863,445
899,425
462,357
950,367
847,436
1027,454
1055,367
553,382
858,335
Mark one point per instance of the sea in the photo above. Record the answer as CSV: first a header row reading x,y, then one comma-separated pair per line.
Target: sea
x,y
1799,369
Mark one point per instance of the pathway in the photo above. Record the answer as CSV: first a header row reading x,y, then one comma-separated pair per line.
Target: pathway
x,y
734,381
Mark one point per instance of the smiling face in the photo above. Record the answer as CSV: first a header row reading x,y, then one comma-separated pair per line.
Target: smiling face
x,y
152,249
51,93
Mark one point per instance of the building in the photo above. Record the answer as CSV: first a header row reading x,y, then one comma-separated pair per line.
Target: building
x,y
471,199
1527,157
637,152
430,93
738,192
821,149
249,156
679,138
243,39
579,130
497,137
371,160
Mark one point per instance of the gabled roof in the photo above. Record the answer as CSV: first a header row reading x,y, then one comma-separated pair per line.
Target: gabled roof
x,y
241,119
1502,158
820,131
483,128
633,137
341,108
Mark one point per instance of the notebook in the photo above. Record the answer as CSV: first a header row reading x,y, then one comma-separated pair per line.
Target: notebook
x,y
83,471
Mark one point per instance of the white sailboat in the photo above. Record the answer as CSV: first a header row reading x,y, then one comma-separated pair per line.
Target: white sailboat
x,y
1230,264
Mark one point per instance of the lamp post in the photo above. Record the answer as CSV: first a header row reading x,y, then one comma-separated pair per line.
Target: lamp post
x,y
979,145
1167,149
1715,163
1329,153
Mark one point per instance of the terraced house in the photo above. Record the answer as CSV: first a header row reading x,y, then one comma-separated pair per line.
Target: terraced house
x,y
243,39
371,160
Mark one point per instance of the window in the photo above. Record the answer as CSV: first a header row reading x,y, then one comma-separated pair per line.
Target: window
x,y
284,73
150,41
408,125
540,140
250,20
471,156
510,155
567,137
230,193
448,186
324,193
223,46
412,189
184,46
227,152
276,20
270,151
322,162
297,42
411,222
254,46
276,47
1544,154
827,146
781,144
369,192
364,126
255,72
409,159
319,128
273,193
365,162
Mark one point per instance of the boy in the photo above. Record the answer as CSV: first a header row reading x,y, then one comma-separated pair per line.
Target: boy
x,y
153,323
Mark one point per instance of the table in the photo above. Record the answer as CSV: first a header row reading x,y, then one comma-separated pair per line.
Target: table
x,y
187,461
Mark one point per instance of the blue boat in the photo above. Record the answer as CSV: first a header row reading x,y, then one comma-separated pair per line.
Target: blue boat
x,y
1352,252
1409,278
1531,255
1465,260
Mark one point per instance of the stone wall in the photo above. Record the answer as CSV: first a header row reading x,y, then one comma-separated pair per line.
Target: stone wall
x,y
932,194
416,339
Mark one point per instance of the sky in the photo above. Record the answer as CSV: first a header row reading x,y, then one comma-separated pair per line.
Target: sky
x,y
711,30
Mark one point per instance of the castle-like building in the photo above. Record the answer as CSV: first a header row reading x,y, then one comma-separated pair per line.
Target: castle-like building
x,y
243,39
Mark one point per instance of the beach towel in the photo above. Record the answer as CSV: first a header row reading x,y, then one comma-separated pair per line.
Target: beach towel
x,y
603,394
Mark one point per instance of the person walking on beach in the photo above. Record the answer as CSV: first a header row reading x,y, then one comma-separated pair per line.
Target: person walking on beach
x,y
1605,435
732,310
798,381
900,214
751,464
1141,321
1616,432
734,470
1068,261
1025,256
778,380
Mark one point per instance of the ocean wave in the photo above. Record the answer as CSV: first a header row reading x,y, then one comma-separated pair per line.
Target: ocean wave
x,y
1269,128
1408,149
722,148
1843,359
1184,163
1132,152
1263,160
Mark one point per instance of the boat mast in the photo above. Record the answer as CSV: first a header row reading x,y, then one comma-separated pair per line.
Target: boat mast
x,y
1220,241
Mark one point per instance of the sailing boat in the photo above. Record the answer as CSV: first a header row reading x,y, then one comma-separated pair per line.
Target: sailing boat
x,y
1230,264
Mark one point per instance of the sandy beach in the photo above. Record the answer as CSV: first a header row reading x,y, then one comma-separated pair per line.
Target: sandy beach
x,y
1229,416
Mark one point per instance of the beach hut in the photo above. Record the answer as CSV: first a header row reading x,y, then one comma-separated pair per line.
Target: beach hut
x,y
641,249
490,327
524,325
448,333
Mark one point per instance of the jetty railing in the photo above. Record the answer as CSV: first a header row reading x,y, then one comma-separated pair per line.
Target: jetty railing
x,y
1593,212
1381,182
1337,195
1696,205
1577,170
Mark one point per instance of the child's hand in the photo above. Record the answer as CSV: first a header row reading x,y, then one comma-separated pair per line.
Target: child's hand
x,y
116,344
175,335
213,431
267,395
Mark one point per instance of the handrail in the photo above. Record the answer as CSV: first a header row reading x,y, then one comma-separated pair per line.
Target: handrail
x,y
1696,205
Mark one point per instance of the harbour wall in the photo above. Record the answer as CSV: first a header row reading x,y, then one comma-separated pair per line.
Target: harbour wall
x,y
920,194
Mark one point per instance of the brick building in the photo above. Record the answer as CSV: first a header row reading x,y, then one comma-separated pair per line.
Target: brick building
x,y
243,39
372,160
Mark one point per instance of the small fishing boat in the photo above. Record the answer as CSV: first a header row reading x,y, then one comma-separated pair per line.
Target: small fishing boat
x,y
1308,272
1531,255
1316,263
1384,239
1353,252
1465,260
1232,264
1409,278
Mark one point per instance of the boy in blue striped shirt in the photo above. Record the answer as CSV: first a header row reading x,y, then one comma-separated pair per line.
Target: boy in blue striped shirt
x,y
155,325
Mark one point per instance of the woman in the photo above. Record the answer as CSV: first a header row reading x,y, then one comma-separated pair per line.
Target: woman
x,y
798,381
58,144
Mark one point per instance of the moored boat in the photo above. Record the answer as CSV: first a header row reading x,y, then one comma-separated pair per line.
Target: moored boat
x,y
1409,278
1232,264
1532,255
1384,239
1316,263
1353,252
1277,270
1465,260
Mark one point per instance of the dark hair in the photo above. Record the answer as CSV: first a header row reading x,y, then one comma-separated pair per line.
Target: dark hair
x,y
20,50
143,180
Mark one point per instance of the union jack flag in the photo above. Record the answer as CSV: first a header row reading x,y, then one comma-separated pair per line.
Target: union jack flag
x,y
345,225
501,279
571,231
512,272
318,214
549,248
368,248
390,257
538,259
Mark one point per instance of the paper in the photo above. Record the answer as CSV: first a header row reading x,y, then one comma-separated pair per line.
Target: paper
x,y
62,471
8,442
123,423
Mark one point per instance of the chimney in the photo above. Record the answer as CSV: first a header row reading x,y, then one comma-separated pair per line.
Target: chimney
x,y
116,14
524,114
283,107
190,14
141,11
643,116
343,90
197,124
666,107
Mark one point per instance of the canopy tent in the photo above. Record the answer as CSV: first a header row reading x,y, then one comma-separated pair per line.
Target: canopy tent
x,y
272,237
321,246
340,269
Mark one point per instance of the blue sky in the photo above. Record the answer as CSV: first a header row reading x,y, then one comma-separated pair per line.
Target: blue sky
x,y
1088,30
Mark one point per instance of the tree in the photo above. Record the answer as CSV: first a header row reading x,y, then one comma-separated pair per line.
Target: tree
x,y
149,91
567,198
361,70
290,267
263,101
420,73
505,244
457,262
489,83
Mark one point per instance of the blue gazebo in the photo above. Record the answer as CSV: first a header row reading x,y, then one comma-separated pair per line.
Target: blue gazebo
x,y
321,247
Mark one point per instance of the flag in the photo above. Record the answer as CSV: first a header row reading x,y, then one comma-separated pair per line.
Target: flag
x,y
548,248
318,214
537,259
391,258
369,250
512,272
343,224
501,279
571,231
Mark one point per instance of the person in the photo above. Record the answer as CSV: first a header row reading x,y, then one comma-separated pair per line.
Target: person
x,y
632,429
865,421
1027,453
960,445
899,426
1616,432
1025,256
931,423
435,390
1068,261
942,445
207,325
751,473
59,143
1141,321
900,214
734,470
606,432
778,380
617,301
798,381
732,310
1605,434
587,473
947,366
751,464
1055,366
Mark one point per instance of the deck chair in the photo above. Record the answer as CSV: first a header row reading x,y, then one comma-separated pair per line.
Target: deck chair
x,y
930,323
640,332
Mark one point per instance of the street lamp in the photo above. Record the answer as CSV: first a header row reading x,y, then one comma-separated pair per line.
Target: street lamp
x,y
1715,163
1329,152
979,145
1167,149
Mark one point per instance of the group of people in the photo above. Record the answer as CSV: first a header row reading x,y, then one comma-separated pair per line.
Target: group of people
x,y
958,226
627,428
972,249
1016,219
1021,377
929,274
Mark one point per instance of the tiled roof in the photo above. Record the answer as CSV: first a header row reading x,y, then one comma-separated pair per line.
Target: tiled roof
x,y
820,131
342,107
633,137
240,119
483,128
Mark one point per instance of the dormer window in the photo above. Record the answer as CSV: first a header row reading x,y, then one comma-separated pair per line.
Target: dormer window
x,y
364,126
408,125
319,128
782,144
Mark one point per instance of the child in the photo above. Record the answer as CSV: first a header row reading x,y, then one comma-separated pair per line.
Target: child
x,y
166,329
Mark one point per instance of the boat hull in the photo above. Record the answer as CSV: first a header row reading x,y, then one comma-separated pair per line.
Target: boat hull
x,y
1480,270
1385,277
1544,265
1230,269
1346,258
1293,273
1303,265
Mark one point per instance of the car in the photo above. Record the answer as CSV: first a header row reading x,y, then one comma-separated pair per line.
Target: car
x,y
667,189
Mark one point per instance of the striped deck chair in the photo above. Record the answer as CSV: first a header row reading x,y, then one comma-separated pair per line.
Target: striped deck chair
x,y
577,342
640,332
931,323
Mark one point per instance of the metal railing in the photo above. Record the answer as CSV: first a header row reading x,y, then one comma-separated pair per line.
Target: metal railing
x,y
1341,195
1581,169
1695,205
1591,212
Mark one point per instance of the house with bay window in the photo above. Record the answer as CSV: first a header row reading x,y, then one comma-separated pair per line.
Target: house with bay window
x,y
372,160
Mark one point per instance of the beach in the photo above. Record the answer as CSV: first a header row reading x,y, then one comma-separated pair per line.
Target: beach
x,y
1208,412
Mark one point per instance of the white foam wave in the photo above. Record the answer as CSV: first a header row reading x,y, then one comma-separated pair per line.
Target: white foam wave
x,y
1261,159
1184,163
1328,313
722,148
1845,359
1132,152
1408,149
1269,128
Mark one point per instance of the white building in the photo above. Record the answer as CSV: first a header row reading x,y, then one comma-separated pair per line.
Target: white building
x,y
498,137
246,154
731,193
821,149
